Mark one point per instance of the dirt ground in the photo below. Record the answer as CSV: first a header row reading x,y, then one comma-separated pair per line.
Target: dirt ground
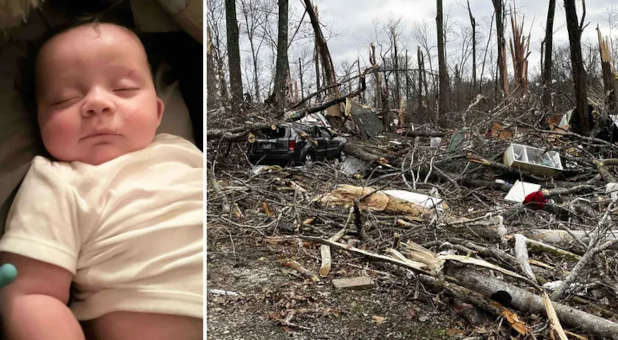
x,y
265,292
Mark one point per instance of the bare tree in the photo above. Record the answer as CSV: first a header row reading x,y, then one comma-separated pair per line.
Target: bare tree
x,y
330,78
393,30
316,61
327,63
582,121
547,65
233,56
421,76
300,75
458,65
361,96
377,76
442,68
216,15
407,78
421,33
486,50
473,24
281,71
253,18
211,80
503,75
608,74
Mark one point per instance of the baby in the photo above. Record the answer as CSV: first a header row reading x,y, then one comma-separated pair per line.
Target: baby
x,y
115,218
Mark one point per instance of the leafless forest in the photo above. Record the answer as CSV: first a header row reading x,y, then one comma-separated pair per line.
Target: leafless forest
x,y
509,138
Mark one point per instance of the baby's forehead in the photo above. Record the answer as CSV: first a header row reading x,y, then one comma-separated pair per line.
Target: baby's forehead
x,y
90,33
87,45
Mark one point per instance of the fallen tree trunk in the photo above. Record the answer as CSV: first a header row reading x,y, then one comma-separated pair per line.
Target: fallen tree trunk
x,y
541,273
296,115
540,246
577,189
487,227
234,134
421,133
473,297
604,171
560,292
565,239
532,303
482,283
361,153
503,168
239,133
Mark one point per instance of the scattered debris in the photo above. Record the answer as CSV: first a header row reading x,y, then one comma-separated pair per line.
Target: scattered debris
x,y
533,160
422,199
612,190
222,292
259,169
366,121
375,200
488,215
520,190
299,268
360,282
353,166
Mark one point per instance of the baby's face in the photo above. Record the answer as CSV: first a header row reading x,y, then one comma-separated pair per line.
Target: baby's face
x,y
95,95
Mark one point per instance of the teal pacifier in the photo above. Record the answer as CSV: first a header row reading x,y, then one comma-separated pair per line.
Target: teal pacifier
x,y
8,273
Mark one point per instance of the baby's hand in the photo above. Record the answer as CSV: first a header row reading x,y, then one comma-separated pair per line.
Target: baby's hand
x,y
8,273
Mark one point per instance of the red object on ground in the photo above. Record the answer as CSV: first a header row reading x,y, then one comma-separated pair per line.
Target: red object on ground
x,y
535,200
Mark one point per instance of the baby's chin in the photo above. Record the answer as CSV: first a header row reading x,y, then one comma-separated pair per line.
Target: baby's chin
x,y
96,157
102,156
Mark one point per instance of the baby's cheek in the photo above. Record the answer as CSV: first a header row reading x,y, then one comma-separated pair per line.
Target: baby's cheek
x,y
143,123
59,131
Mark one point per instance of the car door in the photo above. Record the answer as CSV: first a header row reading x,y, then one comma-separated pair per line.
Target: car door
x,y
331,146
321,143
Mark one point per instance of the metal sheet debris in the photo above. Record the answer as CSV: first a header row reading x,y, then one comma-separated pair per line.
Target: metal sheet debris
x,y
519,191
534,160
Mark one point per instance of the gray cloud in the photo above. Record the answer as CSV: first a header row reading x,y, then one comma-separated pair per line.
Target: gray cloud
x,y
353,23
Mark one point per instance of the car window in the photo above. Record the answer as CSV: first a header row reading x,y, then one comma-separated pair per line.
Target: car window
x,y
269,133
325,133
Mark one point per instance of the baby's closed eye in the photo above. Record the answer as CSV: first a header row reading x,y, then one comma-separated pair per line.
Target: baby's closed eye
x,y
126,86
64,100
126,91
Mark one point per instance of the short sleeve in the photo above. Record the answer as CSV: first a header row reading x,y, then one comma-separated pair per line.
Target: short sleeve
x,y
42,222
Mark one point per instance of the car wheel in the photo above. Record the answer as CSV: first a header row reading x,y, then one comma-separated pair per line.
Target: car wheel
x,y
308,158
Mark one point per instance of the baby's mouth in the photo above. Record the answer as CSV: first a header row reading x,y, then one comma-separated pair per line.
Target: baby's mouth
x,y
99,134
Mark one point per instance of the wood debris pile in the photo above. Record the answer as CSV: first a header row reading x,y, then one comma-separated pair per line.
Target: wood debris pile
x,y
554,257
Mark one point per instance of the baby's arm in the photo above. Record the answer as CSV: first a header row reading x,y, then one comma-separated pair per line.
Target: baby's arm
x,y
34,305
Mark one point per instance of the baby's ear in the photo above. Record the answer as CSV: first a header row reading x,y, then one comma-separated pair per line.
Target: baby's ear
x,y
160,109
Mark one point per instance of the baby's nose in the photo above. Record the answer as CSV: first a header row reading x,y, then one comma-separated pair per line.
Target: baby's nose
x,y
97,101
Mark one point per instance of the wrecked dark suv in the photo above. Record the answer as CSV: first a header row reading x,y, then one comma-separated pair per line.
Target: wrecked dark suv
x,y
293,144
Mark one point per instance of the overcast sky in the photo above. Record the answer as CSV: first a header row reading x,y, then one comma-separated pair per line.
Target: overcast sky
x,y
352,24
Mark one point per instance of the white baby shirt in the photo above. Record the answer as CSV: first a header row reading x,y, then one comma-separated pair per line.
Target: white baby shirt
x,y
130,229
